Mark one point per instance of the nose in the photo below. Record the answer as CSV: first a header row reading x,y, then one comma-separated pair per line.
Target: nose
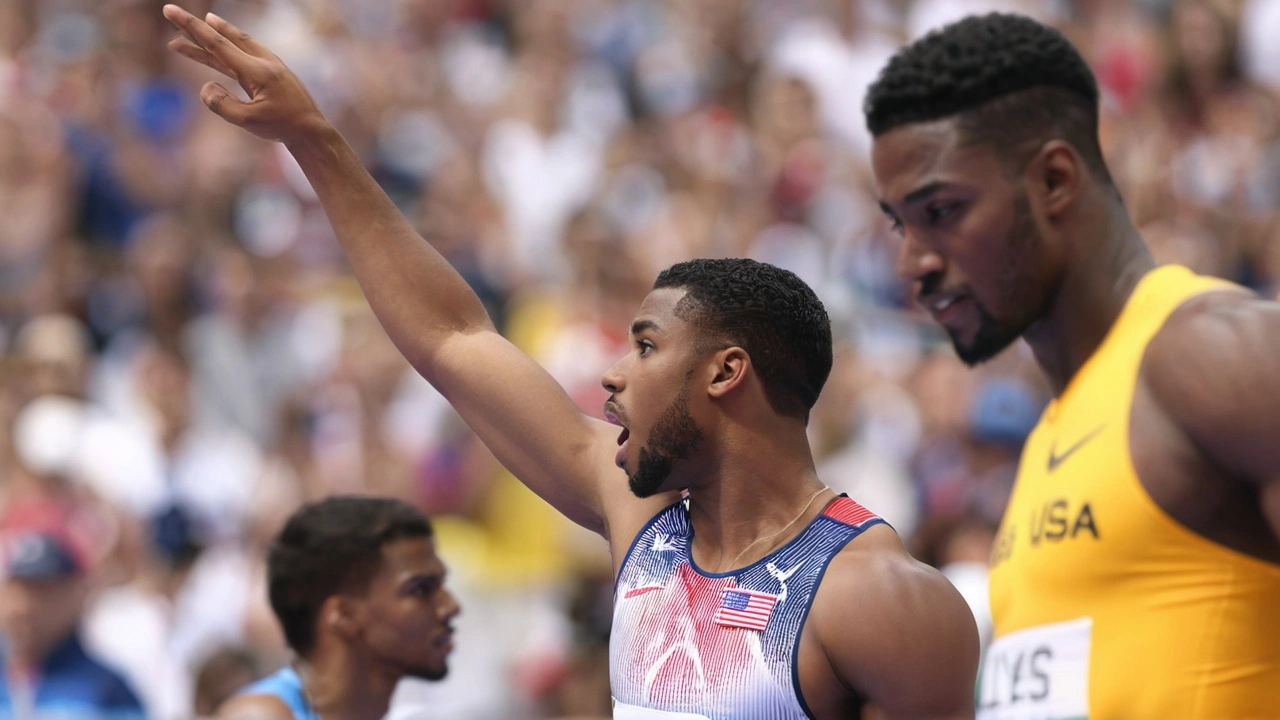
x,y
449,607
916,259
612,379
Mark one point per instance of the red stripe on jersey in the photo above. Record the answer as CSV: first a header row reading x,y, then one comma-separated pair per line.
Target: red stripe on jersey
x,y
848,512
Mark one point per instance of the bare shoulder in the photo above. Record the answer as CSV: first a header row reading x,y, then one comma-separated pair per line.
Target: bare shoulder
x,y
255,707
896,631
1209,330
1214,367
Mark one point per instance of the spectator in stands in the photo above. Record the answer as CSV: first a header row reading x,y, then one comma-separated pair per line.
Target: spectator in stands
x,y
47,670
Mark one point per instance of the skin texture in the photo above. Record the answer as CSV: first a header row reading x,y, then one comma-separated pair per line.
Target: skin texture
x,y
400,626
1202,431
696,419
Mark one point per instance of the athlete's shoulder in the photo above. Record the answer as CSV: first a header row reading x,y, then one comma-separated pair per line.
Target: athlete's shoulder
x,y
256,706
271,698
1224,312
848,512
877,554
896,630
1214,368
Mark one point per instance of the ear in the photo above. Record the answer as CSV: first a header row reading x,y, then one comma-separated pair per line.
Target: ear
x,y
731,367
1056,176
341,615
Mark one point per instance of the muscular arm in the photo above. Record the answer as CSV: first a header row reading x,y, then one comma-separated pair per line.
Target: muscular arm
x,y
898,634
1215,369
426,307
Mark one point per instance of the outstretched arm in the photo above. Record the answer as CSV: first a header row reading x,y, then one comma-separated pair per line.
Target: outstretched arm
x,y
426,307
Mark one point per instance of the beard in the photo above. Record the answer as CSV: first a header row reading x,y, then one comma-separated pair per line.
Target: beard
x,y
990,340
675,436
995,334
423,672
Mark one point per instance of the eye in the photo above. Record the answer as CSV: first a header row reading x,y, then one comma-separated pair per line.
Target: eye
x,y
422,589
895,225
645,347
935,214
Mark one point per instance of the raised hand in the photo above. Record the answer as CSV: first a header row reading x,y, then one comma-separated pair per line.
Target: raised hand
x,y
279,106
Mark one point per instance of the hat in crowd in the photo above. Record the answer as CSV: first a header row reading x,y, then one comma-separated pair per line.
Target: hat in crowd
x,y
38,555
175,536
1004,411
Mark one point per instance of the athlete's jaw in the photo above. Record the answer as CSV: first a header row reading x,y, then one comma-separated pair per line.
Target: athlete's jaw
x,y
672,439
433,664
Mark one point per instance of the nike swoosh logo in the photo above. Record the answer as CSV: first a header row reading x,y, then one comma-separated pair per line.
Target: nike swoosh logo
x,y
1055,459
663,543
783,576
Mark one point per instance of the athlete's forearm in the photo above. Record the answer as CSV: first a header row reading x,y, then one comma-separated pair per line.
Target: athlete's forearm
x,y
416,294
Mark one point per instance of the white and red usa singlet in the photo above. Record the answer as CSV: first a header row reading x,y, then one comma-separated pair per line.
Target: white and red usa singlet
x,y
688,644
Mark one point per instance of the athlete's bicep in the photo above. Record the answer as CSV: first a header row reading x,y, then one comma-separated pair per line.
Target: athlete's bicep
x,y
530,424
901,636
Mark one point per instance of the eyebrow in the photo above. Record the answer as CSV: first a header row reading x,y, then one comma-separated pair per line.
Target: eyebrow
x,y
920,194
639,326
417,578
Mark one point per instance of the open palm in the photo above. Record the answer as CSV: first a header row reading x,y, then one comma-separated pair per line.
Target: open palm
x,y
279,106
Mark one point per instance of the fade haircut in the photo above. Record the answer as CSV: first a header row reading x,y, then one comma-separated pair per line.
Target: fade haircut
x,y
768,312
1009,82
331,547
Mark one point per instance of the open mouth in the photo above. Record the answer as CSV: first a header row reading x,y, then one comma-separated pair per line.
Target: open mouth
x,y
623,436
944,308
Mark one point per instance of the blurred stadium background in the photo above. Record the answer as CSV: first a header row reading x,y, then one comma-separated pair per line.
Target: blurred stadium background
x,y
184,357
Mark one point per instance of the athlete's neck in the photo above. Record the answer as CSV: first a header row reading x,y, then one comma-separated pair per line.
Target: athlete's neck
x,y
1098,281
341,686
756,499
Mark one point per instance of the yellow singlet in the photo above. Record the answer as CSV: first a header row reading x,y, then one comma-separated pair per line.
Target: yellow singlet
x,y
1104,606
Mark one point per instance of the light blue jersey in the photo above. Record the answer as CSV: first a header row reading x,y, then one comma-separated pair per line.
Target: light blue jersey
x,y
286,685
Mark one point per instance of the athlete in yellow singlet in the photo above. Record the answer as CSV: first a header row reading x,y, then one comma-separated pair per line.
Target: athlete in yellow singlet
x,y
1136,574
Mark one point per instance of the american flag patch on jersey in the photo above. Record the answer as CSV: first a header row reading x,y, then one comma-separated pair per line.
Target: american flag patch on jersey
x,y
745,609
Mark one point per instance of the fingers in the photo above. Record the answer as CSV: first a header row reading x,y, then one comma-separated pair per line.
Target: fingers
x,y
209,40
238,37
223,104
187,50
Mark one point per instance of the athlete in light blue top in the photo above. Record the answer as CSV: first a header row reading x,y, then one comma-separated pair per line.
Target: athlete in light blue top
x,y
359,591
286,685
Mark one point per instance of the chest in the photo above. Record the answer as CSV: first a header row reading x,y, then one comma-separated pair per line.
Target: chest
x,y
714,645
1074,514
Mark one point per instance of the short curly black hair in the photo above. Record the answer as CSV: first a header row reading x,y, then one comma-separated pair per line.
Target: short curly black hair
x,y
767,311
1007,79
328,547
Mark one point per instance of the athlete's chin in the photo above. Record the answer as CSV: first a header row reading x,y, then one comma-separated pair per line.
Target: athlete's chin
x,y
429,672
643,487
982,347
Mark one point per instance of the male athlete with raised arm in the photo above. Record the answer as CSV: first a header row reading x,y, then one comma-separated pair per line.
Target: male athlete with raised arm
x,y
764,595
1136,574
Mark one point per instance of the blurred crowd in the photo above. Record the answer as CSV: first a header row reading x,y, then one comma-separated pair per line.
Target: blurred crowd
x,y
185,358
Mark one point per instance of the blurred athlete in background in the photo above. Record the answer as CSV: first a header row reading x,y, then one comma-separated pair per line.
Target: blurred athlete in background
x,y
359,591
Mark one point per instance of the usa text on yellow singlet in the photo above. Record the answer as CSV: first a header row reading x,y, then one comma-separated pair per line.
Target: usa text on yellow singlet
x,y
1104,606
